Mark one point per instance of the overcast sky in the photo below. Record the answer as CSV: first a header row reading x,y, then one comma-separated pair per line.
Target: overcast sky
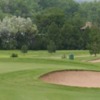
x,y
86,0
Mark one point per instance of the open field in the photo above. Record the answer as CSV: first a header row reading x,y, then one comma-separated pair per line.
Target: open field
x,y
19,77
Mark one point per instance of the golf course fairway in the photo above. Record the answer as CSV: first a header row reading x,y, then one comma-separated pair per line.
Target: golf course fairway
x,y
19,77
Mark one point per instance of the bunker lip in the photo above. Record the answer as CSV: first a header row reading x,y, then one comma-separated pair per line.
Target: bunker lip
x,y
77,78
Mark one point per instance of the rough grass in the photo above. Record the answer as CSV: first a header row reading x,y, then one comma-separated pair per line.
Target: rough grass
x,y
19,76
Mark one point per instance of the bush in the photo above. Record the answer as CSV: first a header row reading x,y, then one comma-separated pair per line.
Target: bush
x,y
24,49
51,47
71,56
14,55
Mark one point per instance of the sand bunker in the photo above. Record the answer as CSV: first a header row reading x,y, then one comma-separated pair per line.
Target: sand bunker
x,y
95,61
73,78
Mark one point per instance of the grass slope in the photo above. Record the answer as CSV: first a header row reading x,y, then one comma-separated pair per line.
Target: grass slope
x,y
19,76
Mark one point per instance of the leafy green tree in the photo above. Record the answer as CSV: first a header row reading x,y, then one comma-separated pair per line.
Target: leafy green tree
x,y
94,45
36,22
53,33
16,31
21,8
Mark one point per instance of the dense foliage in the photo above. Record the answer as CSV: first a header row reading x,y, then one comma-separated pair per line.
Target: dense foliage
x,y
37,22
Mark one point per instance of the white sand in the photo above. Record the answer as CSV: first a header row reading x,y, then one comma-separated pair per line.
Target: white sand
x,y
73,78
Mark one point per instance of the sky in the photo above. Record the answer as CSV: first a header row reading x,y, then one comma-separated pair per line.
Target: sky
x,y
85,0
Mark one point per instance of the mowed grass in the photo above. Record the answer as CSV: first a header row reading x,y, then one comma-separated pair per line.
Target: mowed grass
x,y
19,77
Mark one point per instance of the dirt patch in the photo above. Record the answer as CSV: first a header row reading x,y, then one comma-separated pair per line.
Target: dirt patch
x,y
73,78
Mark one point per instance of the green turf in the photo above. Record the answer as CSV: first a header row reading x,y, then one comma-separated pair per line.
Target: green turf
x,y
19,76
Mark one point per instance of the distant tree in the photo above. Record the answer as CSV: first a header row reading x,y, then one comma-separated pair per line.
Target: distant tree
x,y
16,31
51,47
18,7
53,33
56,20
94,49
24,49
94,45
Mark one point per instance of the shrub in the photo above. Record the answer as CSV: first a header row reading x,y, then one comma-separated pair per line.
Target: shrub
x,y
14,55
71,56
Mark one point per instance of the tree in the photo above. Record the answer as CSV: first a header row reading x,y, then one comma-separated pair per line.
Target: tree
x,y
24,49
51,47
21,8
94,44
16,31
49,24
53,33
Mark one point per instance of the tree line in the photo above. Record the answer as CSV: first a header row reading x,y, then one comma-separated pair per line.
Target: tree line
x,y
40,23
